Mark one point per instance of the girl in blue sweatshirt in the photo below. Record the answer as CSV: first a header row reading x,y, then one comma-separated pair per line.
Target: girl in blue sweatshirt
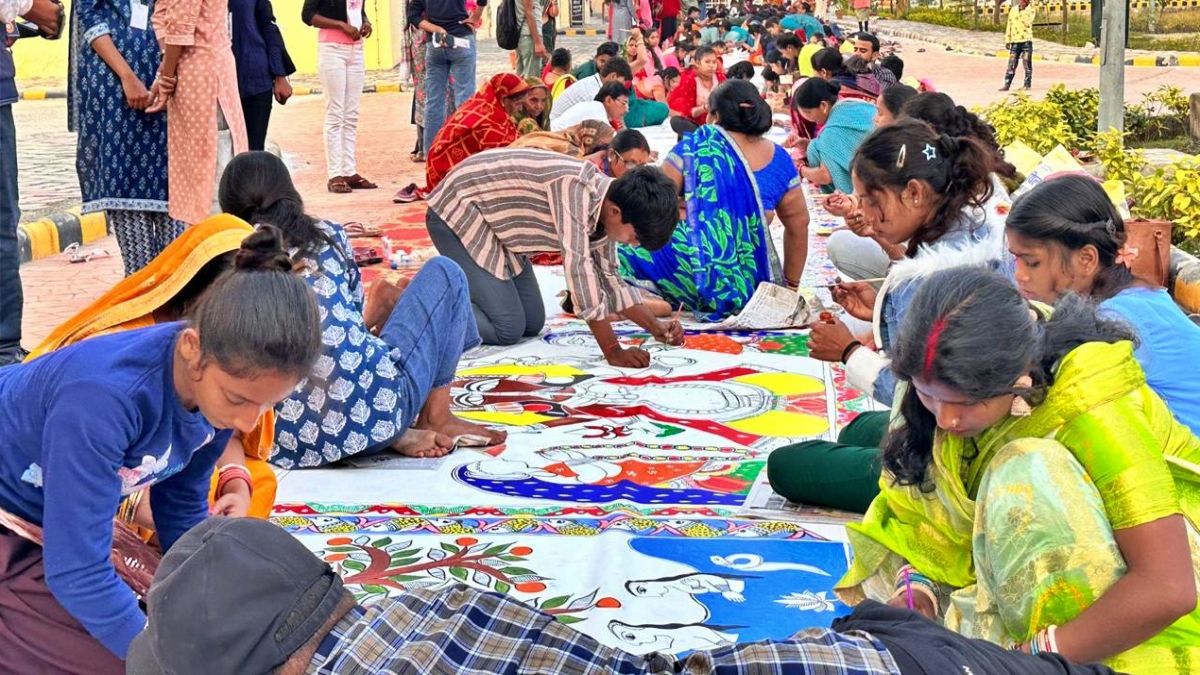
x,y
84,426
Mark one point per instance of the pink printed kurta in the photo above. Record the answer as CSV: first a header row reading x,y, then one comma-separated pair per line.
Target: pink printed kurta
x,y
207,78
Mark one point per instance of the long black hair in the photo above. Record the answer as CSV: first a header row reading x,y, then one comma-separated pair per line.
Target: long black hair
x,y
740,108
940,111
958,169
257,188
895,97
949,336
815,91
259,317
1073,212
830,59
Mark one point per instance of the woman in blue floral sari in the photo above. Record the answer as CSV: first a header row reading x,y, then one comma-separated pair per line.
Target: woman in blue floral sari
x,y
122,151
733,181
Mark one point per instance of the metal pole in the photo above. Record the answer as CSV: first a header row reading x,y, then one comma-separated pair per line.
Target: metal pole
x,y
1112,66
1152,8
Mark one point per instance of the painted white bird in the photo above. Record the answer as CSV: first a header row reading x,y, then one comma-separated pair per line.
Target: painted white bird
x,y
749,562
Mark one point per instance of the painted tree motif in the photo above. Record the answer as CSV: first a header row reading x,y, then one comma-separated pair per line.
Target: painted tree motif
x,y
382,566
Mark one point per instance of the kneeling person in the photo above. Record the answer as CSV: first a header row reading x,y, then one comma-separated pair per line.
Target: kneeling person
x,y
499,206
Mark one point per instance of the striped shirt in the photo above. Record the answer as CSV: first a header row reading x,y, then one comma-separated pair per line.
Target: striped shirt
x,y
507,203
465,631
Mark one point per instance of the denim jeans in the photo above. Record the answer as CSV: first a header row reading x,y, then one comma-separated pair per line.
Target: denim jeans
x,y
428,331
506,310
10,253
442,63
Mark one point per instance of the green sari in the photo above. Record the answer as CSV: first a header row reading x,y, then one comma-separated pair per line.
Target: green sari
x,y
1018,530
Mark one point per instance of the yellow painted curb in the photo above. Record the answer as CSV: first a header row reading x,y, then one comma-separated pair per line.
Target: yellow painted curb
x,y
1095,60
573,32
1143,61
1038,57
1189,60
1002,55
34,95
43,238
387,87
93,226
301,91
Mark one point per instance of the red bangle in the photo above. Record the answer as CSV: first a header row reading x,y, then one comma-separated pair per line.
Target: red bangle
x,y
611,347
232,472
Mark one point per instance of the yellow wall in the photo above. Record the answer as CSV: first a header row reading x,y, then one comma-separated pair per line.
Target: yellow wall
x,y
42,58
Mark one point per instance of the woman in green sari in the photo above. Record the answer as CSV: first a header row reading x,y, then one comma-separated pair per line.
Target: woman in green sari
x,y
1036,492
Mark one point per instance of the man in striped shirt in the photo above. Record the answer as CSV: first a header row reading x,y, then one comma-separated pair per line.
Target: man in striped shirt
x,y
496,208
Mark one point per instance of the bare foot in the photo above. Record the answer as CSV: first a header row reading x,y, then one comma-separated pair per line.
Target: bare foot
x,y
454,427
380,302
423,443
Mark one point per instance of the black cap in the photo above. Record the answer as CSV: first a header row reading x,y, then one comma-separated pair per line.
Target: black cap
x,y
233,596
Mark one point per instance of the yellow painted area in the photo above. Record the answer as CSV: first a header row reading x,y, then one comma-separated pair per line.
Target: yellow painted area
x,y
43,58
1187,293
782,424
302,91
523,419
1002,55
43,238
784,384
1143,61
92,226
1095,60
387,87
34,95
512,369
1192,60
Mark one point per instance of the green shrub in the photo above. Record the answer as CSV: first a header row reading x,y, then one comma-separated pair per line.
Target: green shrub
x,y
1080,109
1039,124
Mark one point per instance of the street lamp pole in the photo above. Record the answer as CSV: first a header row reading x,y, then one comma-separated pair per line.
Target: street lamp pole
x,y
1112,66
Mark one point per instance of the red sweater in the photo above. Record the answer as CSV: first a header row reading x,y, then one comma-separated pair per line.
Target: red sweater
x,y
683,99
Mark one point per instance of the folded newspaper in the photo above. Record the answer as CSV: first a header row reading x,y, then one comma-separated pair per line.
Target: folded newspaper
x,y
771,307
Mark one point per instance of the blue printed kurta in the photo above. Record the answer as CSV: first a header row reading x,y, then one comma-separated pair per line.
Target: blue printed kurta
x,y
349,403
122,153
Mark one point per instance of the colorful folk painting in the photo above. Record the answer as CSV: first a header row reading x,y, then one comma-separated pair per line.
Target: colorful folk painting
x,y
640,581
742,400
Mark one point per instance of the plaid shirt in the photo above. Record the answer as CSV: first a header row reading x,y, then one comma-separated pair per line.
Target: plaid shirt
x,y
464,631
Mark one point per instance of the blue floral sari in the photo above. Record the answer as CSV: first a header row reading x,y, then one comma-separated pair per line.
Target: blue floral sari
x,y
719,255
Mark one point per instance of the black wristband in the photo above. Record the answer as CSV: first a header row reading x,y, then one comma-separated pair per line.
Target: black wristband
x,y
850,350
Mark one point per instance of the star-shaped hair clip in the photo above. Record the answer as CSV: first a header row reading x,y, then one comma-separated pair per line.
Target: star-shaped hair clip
x,y
930,152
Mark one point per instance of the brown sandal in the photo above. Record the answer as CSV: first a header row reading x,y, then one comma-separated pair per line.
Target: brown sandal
x,y
357,182
338,185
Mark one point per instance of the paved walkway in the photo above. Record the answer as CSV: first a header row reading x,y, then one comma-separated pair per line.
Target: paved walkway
x,y
984,43
54,288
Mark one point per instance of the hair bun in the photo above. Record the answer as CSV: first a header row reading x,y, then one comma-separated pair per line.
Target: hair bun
x,y
950,145
263,251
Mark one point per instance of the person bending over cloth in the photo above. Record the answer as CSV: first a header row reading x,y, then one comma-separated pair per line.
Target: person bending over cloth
x,y
499,206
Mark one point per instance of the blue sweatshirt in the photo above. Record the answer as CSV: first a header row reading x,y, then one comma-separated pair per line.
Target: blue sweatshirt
x,y
81,428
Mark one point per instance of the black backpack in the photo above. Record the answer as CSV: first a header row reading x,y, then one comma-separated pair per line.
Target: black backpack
x,y
508,31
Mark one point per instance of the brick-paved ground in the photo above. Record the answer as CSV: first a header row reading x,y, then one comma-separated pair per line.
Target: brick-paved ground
x,y
55,289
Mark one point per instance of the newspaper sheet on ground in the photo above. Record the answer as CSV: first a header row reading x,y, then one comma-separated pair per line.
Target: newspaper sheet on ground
x,y
771,307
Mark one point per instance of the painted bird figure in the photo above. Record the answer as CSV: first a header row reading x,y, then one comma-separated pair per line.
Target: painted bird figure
x,y
572,528
696,529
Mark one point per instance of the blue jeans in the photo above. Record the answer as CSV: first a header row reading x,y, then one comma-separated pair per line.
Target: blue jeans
x,y
428,331
442,63
10,253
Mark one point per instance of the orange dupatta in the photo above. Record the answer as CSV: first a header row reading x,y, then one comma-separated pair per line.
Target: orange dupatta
x,y
132,302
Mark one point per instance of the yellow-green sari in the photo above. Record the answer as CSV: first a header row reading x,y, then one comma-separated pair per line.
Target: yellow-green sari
x,y
1018,530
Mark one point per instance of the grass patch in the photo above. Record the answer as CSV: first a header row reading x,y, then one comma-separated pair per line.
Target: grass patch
x,y
1182,144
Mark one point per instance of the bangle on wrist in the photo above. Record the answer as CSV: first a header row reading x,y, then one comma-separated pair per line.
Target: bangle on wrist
x,y
610,347
231,472
849,350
